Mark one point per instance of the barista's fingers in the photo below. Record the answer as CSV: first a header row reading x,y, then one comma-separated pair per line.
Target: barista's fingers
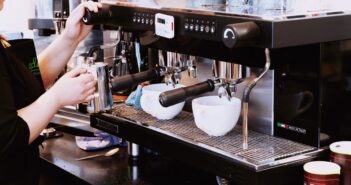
x,y
89,91
86,78
99,5
76,72
77,14
92,6
89,94
90,85
88,98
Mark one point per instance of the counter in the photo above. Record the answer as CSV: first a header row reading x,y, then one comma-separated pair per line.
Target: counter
x,y
58,163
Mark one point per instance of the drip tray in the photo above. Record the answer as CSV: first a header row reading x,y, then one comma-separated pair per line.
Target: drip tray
x,y
263,149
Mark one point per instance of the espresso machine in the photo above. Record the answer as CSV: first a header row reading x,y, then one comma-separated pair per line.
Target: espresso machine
x,y
50,16
289,68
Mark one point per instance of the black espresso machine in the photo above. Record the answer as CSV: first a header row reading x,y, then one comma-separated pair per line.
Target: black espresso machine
x,y
297,78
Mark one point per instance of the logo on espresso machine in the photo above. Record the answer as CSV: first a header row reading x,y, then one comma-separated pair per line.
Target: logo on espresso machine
x,y
291,128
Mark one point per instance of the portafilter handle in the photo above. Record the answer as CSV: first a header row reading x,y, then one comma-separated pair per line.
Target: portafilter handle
x,y
124,82
175,96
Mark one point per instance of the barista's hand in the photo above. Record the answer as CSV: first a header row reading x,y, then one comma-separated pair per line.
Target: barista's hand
x,y
75,29
74,87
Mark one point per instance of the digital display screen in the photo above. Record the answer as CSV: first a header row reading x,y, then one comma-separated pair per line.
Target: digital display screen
x,y
162,21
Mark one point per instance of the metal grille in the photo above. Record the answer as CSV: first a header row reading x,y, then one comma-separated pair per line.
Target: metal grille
x,y
262,148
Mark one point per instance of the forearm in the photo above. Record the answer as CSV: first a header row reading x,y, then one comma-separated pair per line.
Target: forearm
x,y
54,58
38,114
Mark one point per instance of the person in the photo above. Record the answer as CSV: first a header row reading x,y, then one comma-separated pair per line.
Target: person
x,y
26,108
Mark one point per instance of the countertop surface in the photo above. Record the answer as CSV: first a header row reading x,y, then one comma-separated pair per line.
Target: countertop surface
x,y
151,168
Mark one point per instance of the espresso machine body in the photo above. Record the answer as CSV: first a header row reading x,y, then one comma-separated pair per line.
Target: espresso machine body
x,y
286,111
50,16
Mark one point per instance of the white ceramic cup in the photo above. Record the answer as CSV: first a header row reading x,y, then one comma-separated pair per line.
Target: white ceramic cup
x,y
150,101
216,116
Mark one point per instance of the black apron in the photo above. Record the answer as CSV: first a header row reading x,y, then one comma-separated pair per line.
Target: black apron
x,y
27,86
24,51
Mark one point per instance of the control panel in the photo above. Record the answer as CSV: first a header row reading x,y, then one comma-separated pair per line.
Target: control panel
x,y
147,19
166,25
202,25
195,25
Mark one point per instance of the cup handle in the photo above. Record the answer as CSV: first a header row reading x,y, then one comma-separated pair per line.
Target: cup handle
x,y
308,98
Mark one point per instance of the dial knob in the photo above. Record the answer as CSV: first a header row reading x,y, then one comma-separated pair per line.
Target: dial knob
x,y
246,32
103,16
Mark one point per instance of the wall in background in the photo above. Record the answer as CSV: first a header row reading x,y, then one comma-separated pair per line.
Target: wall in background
x,y
14,16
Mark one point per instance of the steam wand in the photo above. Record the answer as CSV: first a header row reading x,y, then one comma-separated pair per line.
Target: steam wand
x,y
246,97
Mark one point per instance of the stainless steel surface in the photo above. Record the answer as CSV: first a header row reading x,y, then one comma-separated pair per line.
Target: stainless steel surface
x,y
173,64
229,72
102,100
133,150
174,60
292,7
70,117
264,150
161,59
60,15
228,75
192,67
262,104
110,36
134,173
59,24
122,56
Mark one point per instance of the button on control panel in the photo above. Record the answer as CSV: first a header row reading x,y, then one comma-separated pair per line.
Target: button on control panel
x,y
195,25
143,18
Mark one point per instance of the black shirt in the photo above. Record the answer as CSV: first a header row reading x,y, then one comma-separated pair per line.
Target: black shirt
x,y
20,85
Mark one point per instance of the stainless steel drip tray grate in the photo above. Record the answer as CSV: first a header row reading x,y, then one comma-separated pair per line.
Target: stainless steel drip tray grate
x,y
263,149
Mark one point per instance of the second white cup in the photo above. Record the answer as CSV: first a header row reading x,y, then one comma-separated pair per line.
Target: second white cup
x,y
216,116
